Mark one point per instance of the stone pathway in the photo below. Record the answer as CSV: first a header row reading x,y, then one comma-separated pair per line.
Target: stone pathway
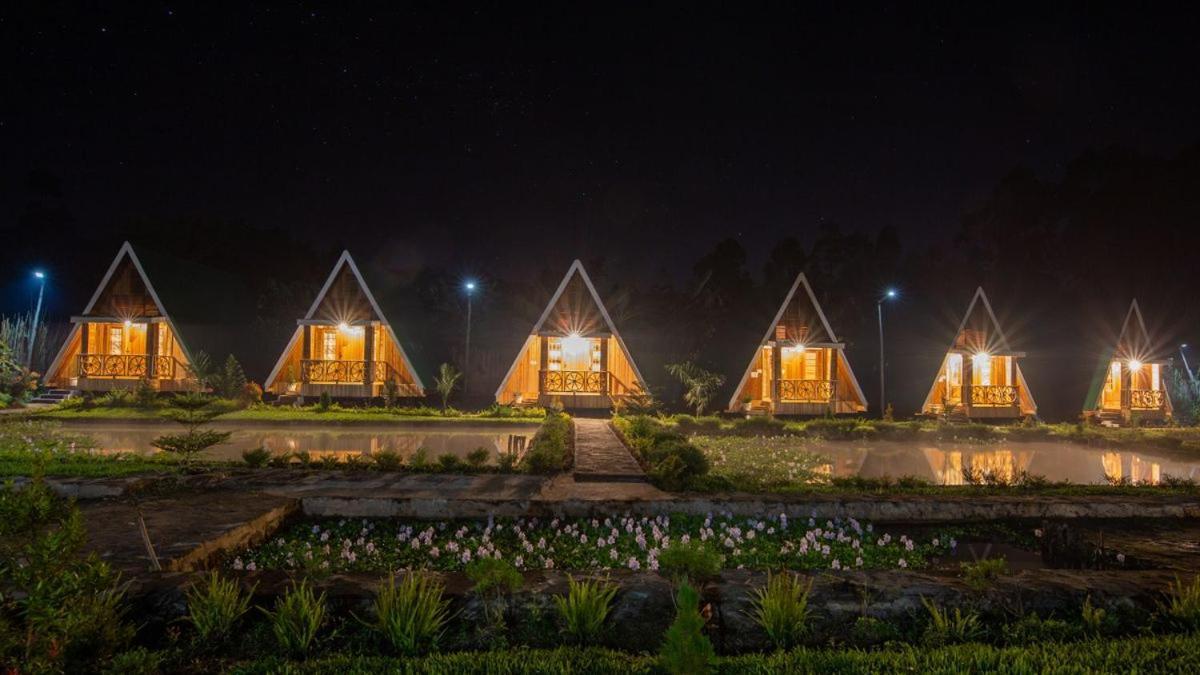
x,y
601,457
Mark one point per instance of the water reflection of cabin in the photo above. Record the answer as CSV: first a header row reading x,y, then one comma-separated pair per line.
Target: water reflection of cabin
x,y
980,376
799,368
1131,379
125,336
344,345
574,355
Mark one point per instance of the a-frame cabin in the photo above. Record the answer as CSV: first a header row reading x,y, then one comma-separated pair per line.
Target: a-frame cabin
x,y
980,377
1131,378
344,345
124,336
574,355
799,367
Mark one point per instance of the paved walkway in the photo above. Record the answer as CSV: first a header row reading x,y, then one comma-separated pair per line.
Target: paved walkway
x,y
600,456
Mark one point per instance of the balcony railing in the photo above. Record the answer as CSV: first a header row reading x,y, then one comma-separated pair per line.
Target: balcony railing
x,y
126,365
994,395
1146,399
806,391
330,371
574,382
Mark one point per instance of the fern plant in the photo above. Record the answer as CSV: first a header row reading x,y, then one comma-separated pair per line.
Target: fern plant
x,y
297,619
781,609
584,608
949,627
215,607
1183,603
412,615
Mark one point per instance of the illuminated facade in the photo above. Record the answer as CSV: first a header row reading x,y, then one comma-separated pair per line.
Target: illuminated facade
x,y
1130,379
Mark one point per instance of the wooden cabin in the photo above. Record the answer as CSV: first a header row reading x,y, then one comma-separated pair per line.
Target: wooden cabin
x,y
124,336
1131,378
574,355
344,346
980,376
799,367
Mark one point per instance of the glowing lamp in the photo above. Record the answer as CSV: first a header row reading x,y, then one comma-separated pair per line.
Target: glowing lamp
x,y
981,357
128,323
343,326
1135,365
891,292
39,274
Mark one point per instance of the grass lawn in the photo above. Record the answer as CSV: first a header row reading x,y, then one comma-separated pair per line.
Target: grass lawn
x,y
309,414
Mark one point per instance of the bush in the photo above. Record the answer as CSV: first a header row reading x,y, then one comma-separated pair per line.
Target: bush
x,y
946,627
1033,629
690,562
388,460
584,609
686,650
674,463
140,661
215,607
494,575
325,402
549,451
256,457
868,631
1183,603
833,428
478,458
297,619
145,396
781,609
449,463
981,574
251,393
411,616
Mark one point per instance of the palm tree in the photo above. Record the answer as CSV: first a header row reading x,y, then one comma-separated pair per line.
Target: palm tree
x,y
699,384
447,379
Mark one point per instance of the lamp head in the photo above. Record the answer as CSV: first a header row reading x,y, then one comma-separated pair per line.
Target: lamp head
x,y
343,326
128,323
469,285
39,274
1135,365
891,293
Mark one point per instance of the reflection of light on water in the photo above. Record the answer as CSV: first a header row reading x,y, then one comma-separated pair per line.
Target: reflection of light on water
x,y
1141,471
1000,464
1111,461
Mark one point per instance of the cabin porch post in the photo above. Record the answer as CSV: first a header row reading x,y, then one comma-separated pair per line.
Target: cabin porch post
x,y
305,354
968,380
369,358
543,361
1126,392
776,372
152,350
833,378
606,385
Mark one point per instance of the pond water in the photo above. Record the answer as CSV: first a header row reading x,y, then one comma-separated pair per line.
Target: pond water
x,y
321,441
944,463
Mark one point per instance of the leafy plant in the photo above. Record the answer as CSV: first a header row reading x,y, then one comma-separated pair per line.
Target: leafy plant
x,y
494,575
325,402
256,457
411,616
192,411
699,385
584,608
1183,603
1033,629
478,457
297,619
449,463
445,382
1094,618
215,607
781,609
140,661
981,574
690,562
949,627
388,460
549,450
202,369
686,650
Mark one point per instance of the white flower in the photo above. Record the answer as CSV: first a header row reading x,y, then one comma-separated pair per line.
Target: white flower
x,y
837,564
633,564
1121,558
902,563
237,564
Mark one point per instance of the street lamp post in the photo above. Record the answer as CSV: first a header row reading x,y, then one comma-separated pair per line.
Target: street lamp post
x,y
469,287
1186,367
888,295
41,277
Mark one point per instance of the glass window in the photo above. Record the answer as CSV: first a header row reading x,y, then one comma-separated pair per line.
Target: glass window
x,y
329,346
116,340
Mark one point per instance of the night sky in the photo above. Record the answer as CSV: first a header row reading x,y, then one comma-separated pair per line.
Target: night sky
x,y
470,141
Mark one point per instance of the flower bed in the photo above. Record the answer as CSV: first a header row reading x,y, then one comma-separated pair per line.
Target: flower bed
x,y
762,463
774,542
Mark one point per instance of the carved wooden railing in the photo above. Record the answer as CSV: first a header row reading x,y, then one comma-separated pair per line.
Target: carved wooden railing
x,y
994,395
339,372
807,391
1146,399
574,382
126,365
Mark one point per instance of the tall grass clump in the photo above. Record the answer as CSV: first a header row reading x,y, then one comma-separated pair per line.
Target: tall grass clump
x,y
297,619
584,609
1183,603
949,627
781,609
686,650
411,615
215,607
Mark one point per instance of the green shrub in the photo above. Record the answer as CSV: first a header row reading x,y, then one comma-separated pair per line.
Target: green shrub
x,y
1183,603
584,609
140,661
388,460
420,460
781,609
116,399
281,461
478,458
297,619
550,449
1033,629
256,457
686,650
981,574
1095,619
947,627
215,607
759,426
690,562
411,616
449,463
325,402
833,428
329,462
494,575
868,631
144,396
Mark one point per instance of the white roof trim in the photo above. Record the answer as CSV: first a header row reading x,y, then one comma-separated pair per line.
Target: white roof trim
x,y
576,268
801,280
346,259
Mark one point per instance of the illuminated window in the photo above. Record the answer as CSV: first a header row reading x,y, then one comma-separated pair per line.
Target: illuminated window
x,y
1154,377
329,345
983,369
1114,377
116,341
954,364
164,340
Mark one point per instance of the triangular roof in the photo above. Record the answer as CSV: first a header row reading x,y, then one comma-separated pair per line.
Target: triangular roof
x,y
1140,345
576,269
345,261
801,281
997,343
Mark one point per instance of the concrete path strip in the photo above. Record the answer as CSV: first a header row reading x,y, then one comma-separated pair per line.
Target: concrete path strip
x,y
601,457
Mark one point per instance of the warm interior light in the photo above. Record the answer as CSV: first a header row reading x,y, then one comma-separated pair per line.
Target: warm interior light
x,y
576,352
128,323
981,356
1135,365
343,326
